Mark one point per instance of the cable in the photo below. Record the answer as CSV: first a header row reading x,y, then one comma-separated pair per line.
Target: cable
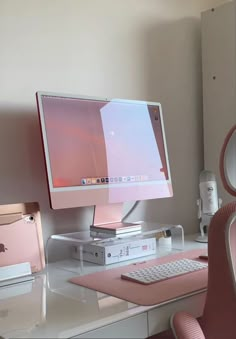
x,y
130,211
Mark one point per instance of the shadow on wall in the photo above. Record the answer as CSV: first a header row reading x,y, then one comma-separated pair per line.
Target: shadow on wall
x,y
173,77
175,80
23,174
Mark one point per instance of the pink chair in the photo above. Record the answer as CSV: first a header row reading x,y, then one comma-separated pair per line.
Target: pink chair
x,y
219,316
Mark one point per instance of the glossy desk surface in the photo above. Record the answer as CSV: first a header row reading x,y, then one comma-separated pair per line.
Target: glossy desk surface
x,y
51,307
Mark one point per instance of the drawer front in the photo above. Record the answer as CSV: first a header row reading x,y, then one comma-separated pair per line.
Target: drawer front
x,y
133,327
159,318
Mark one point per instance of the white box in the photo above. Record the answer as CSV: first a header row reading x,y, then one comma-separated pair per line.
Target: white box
x,y
113,251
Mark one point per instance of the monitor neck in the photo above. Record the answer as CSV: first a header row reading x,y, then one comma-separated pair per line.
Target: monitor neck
x,y
107,214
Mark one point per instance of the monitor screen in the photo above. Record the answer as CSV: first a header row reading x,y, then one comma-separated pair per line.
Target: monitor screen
x,y
102,151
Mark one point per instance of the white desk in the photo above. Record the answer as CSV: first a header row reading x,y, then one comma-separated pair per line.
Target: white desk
x,y
50,307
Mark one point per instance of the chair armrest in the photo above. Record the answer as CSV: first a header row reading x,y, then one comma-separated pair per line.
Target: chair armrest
x,y
185,326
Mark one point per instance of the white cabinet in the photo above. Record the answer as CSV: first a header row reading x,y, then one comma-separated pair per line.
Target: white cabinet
x,y
219,83
132,327
159,318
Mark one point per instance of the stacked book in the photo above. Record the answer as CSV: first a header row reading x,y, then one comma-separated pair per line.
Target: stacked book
x,y
116,229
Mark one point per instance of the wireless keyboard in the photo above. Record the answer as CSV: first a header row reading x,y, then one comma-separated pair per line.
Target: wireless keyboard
x,y
152,274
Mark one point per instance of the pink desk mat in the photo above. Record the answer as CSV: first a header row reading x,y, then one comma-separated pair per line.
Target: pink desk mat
x,y
110,282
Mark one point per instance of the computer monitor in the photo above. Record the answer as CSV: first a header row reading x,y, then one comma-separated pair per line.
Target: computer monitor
x,y
101,151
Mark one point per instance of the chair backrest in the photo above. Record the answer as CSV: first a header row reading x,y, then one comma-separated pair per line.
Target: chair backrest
x,y
219,317
228,162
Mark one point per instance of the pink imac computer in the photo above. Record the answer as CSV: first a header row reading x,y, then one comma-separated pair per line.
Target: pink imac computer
x,y
103,152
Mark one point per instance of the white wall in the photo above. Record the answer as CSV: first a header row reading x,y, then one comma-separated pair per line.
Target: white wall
x,y
134,49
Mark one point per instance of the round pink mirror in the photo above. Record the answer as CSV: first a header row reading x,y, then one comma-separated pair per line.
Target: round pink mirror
x,y
228,162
